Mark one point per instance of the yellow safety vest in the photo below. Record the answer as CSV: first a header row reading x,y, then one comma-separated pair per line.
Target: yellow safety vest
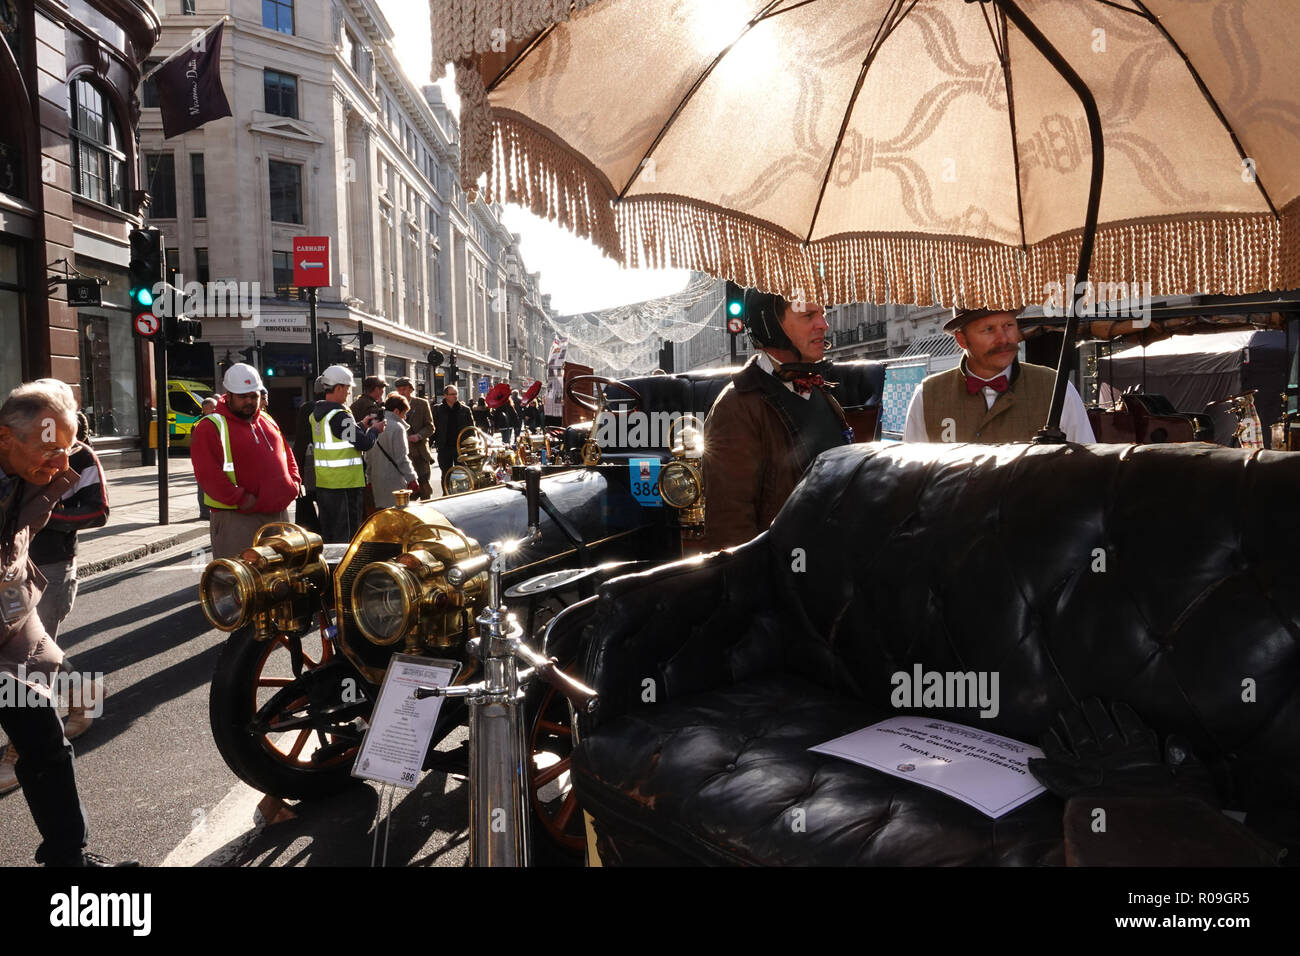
x,y
338,464
227,462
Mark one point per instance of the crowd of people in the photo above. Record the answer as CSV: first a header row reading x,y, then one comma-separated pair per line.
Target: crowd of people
x,y
349,455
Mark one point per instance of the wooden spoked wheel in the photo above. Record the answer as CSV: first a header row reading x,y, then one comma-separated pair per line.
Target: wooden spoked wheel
x,y
555,802
275,671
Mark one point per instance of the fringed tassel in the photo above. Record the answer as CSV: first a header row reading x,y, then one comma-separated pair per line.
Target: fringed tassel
x,y
463,29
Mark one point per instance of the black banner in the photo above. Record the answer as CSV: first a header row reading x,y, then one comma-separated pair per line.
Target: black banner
x,y
189,86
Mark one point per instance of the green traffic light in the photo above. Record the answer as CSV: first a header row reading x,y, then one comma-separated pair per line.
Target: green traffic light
x,y
143,296
735,308
270,373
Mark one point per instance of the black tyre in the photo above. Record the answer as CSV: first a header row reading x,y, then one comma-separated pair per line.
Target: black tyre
x,y
294,736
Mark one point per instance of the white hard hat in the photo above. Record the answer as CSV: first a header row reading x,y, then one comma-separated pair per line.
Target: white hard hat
x,y
241,379
336,375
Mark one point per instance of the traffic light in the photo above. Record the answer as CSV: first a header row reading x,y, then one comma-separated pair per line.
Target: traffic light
x,y
145,271
365,339
249,355
735,301
182,329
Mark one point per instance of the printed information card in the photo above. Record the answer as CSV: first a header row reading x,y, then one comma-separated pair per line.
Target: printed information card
x,y
402,726
989,772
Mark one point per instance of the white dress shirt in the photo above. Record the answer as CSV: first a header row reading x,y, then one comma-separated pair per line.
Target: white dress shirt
x,y
1074,417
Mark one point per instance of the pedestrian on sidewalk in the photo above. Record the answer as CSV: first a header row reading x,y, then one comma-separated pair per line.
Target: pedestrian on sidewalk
x,y
38,429
247,473
337,446
389,461
419,421
209,406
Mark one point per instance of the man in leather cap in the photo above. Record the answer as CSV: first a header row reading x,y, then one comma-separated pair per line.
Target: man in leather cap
x,y
770,423
991,396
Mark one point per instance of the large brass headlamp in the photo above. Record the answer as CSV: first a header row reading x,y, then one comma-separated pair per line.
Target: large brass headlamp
x,y
278,583
389,597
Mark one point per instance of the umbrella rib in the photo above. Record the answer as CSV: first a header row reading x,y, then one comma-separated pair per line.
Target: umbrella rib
x,y
622,193
1004,55
1214,105
893,17
519,58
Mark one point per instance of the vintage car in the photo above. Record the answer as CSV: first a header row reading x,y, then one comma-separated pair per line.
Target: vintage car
x,y
313,627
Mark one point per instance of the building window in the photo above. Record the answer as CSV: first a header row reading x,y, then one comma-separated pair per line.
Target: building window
x,y
278,15
160,172
282,277
98,162
187,7
198,180
281,93
286,192
11,317
201,265
149,87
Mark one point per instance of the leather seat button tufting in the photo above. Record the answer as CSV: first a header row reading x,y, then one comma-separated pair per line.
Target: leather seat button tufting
x,y
731,767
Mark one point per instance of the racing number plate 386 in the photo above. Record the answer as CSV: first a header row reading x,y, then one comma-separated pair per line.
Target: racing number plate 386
x,y
644,481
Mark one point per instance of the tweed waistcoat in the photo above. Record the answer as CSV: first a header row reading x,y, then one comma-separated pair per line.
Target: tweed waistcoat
x,y
953,414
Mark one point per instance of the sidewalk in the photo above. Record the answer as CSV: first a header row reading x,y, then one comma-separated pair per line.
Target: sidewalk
x,y
133,531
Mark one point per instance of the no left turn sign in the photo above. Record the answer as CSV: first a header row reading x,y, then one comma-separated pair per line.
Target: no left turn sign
x,y
146,324
735,325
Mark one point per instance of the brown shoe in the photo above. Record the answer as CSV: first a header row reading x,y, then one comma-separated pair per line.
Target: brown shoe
x,y
77,722
8,776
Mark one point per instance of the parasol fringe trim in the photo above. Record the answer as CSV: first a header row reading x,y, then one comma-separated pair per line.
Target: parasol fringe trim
x,y
1214,254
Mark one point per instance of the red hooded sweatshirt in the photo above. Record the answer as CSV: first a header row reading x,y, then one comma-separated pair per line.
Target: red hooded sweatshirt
x,y
264,464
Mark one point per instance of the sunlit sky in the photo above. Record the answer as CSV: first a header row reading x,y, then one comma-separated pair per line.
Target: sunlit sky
x,y
577,275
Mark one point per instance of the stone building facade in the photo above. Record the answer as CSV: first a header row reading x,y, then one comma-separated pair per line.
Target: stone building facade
x,y
329,137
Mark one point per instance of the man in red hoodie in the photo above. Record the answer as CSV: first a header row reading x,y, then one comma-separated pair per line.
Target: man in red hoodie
x,y
247,473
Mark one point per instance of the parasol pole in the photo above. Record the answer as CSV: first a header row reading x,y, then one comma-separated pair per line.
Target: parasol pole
x,y
1051,432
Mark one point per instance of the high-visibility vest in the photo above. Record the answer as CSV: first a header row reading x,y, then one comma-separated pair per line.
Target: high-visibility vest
x,y
227,460
337,463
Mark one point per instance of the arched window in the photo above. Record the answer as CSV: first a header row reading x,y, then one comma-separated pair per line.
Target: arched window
x,y
98,160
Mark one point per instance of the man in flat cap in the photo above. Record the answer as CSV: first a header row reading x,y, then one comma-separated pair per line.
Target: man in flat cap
x,y
991,396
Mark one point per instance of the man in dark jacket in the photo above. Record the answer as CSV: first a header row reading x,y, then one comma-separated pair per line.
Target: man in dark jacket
x,y
450,418
37,430
770,423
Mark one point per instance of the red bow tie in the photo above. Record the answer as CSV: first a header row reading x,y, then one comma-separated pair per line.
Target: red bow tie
x,y
975,384
806,384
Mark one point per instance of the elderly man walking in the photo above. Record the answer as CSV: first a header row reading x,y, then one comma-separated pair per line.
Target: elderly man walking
x,y
247,473
419,421
38,426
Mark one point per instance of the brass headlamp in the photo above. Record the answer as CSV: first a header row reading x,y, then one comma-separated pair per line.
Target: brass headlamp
x,y
681,483
278,583
390,599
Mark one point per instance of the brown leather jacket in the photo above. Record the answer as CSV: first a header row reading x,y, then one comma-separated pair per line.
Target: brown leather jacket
x,y
750,460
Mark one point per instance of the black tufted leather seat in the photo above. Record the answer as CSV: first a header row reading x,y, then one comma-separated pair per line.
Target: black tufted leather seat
x,y
1163,576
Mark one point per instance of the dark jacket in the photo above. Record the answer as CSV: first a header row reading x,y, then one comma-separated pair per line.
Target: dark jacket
x,y
751,458
365,405
83,507
483,416
344,427
448,423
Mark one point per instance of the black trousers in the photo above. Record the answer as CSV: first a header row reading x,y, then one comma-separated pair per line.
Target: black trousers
x,y
45,770
340,513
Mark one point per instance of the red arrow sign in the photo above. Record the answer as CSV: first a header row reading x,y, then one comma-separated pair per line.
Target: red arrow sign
x,y
311,261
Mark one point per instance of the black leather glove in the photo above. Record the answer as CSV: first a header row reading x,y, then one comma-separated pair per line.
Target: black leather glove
x,y
1096,754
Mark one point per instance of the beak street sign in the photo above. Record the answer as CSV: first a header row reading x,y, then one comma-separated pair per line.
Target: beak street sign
x,y
311,261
